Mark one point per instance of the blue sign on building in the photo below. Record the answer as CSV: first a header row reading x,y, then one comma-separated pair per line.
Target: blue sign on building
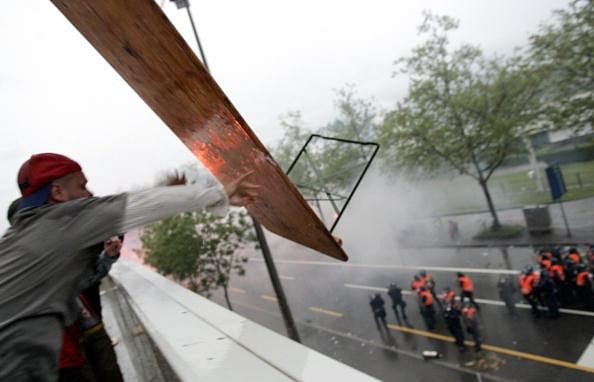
x,y
556,182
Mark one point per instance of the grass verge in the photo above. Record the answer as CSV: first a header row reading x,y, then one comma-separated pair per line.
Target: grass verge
x,y
507,231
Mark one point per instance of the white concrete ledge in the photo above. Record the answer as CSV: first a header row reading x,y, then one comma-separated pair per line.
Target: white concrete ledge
x,y
204,341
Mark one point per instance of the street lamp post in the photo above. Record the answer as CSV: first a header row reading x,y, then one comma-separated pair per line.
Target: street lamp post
x,y
274,278
186,4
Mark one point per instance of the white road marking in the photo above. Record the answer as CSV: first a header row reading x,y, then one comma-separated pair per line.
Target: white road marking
x,y
587,357
399,267
286,277
479,300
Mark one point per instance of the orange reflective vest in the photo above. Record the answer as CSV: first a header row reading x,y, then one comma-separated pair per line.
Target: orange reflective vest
x,y
428,280
469,312
575,257
527,282
426,298
417,284
447,296
556,272
466,283
581,278
545,263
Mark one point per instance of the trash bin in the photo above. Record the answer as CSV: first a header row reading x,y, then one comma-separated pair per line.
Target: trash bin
x,y
538,219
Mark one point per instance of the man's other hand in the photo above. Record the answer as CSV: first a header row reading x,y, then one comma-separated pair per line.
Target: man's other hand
x,y
112,246
174,178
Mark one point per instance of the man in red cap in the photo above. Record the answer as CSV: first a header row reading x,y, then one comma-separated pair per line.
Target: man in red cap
x,y
45,256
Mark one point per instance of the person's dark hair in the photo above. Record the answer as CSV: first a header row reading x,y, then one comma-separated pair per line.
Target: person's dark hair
x,y
12,209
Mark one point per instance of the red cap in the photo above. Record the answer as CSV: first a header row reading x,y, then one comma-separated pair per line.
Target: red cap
x,y
41,169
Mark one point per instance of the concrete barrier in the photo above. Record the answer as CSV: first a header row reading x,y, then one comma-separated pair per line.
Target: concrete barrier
x,y
204,341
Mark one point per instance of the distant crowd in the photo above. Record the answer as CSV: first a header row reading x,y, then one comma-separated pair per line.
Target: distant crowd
x,y
561,277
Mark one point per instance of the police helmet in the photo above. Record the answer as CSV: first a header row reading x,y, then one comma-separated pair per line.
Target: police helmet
x,y
528,269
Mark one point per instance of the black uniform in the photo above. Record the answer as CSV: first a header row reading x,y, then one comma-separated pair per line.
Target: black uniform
x,y
379,312
547,289
507,294
452,320
395,294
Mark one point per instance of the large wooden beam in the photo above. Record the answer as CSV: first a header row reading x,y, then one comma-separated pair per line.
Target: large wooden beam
x,y
142,45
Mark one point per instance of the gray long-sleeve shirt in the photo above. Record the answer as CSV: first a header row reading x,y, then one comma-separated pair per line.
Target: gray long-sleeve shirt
x,y
44,261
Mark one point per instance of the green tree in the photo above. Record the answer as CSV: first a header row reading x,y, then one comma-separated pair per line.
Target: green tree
x,y
334,162
356,120
357,116
563,53
199,249
294,136
328,169
463,112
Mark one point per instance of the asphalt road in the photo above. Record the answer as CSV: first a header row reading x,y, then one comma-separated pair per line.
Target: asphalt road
x,y
329,300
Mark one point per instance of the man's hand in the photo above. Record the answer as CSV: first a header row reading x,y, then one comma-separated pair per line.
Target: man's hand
x,y
112,246
240,192
173,179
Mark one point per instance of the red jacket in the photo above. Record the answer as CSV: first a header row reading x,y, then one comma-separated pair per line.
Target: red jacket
x,y
71,354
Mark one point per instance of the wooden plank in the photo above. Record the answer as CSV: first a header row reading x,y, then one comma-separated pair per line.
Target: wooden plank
x,y
142,45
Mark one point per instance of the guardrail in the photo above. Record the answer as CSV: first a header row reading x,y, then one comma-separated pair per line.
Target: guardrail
x,y
204,341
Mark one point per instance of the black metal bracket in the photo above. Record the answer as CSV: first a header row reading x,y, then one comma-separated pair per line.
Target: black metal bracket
x,y
330,195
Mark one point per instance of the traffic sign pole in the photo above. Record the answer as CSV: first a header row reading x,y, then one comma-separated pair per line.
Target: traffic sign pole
x,y
558,189
564,218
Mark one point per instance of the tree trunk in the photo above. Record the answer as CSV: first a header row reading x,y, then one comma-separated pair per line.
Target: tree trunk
x,y
496,224
483,183
227,297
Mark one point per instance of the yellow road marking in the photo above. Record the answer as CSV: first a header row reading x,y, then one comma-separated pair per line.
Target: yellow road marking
x,y
325,311
421,333
269,298
496,349
237,290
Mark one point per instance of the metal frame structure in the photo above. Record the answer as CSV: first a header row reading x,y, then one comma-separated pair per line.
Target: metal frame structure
x,y
303,151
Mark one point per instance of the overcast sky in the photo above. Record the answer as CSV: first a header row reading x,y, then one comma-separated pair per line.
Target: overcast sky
x,y
58,95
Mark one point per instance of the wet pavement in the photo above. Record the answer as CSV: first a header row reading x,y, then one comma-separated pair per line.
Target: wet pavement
x,y
329,300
